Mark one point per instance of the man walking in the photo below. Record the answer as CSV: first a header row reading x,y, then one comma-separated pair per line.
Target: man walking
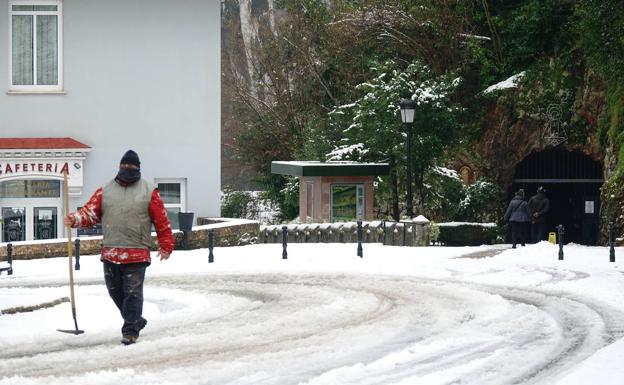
x,y
127,207
517,215
538,207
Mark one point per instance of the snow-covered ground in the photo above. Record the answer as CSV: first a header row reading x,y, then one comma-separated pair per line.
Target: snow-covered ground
x,y
324,316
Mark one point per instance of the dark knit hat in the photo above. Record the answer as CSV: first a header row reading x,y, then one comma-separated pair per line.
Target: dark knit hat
x,y
130,157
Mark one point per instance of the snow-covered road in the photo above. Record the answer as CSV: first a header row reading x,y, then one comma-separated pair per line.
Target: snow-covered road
x,y
317,327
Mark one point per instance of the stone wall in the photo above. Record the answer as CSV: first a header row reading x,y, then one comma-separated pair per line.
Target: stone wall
x,y
227,232
388,233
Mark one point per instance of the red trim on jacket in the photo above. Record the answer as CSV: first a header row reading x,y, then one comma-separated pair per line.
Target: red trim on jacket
x,y
91,214
158,213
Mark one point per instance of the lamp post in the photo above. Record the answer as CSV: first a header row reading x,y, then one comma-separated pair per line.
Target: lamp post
x,y
408,107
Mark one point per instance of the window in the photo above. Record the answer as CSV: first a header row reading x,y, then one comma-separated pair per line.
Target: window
x,y
173,194
39,188
35,44
347,202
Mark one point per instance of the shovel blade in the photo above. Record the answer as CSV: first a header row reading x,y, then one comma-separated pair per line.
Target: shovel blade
x,y
75,332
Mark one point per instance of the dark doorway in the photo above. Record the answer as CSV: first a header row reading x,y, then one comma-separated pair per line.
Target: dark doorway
x,y
572,181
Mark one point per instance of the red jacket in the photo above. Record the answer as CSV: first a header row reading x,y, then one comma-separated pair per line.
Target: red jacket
x,y
91,214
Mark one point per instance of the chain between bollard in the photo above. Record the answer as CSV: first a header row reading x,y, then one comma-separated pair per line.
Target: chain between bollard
x,y
77,254
560,233
284,242
210,245
611,230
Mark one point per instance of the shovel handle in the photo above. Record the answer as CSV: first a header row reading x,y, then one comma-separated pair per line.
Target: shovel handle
x,y
69,246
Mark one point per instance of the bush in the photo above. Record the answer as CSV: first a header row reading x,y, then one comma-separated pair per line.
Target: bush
x,y
238,204
467,234
480,202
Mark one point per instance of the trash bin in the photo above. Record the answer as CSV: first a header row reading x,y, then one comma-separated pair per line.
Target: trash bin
x,y
552,237
185,221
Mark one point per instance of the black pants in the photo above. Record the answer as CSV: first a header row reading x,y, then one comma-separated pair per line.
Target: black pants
x,y
538,232
125,286
519,232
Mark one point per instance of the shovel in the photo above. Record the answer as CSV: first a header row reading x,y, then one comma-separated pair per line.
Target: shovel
x,y
76,331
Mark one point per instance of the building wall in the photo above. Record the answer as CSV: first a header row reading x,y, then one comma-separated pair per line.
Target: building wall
x,y
140,74
322,195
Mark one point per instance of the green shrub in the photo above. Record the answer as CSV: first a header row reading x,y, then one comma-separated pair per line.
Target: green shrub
x,y
467,234
238,204
434,232
480,202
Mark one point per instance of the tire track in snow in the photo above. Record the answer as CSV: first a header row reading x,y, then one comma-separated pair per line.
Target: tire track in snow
x,y
329,316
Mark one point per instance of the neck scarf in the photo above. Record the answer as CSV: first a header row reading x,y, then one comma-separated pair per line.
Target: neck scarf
x,y
128,176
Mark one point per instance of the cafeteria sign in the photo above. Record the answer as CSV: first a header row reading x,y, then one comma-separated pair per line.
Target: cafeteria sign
x,y
28,168
41,168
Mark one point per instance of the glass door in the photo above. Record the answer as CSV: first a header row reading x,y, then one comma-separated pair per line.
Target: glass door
x,y
13,224
23,201
44,223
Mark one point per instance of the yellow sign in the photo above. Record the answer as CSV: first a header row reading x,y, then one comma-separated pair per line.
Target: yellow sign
x,y
552,237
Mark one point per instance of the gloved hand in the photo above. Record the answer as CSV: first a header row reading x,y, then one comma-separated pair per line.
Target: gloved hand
x,y
163,254
68,220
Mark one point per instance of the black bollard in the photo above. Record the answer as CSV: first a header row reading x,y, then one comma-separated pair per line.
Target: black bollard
x,y
10,258
210,245
383,225
284,242
611,229
360,251
404,233
560,232
77,247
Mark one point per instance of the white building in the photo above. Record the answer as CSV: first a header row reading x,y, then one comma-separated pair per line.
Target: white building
x,y
86,80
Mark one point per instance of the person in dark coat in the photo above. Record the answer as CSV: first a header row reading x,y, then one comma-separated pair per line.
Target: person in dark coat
x,y
538,207
517,215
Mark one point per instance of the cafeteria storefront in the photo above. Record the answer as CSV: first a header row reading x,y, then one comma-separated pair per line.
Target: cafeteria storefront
x,y
31,184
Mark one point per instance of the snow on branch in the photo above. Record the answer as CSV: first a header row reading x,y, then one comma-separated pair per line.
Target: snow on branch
x,y
510,82
447,172
341,152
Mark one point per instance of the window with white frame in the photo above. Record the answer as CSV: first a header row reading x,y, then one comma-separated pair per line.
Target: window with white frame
x,y
35,44
173,194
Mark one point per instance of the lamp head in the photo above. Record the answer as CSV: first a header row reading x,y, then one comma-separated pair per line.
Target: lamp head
x,y
408,107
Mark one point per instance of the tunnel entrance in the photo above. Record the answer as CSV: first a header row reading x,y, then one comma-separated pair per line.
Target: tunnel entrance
x,y
572,181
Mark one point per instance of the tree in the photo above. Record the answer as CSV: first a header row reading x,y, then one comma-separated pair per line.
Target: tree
x,y
371,126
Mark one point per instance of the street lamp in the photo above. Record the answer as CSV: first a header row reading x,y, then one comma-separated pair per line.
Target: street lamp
x,y
408,108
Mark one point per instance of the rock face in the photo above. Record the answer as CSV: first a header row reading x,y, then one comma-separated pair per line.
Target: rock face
x,y
510,133
508,139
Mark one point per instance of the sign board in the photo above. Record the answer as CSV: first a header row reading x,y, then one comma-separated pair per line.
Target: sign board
x,y
12,169
589,207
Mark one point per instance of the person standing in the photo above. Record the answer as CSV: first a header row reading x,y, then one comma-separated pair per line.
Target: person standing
x,y
127,207
517,215
538,207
